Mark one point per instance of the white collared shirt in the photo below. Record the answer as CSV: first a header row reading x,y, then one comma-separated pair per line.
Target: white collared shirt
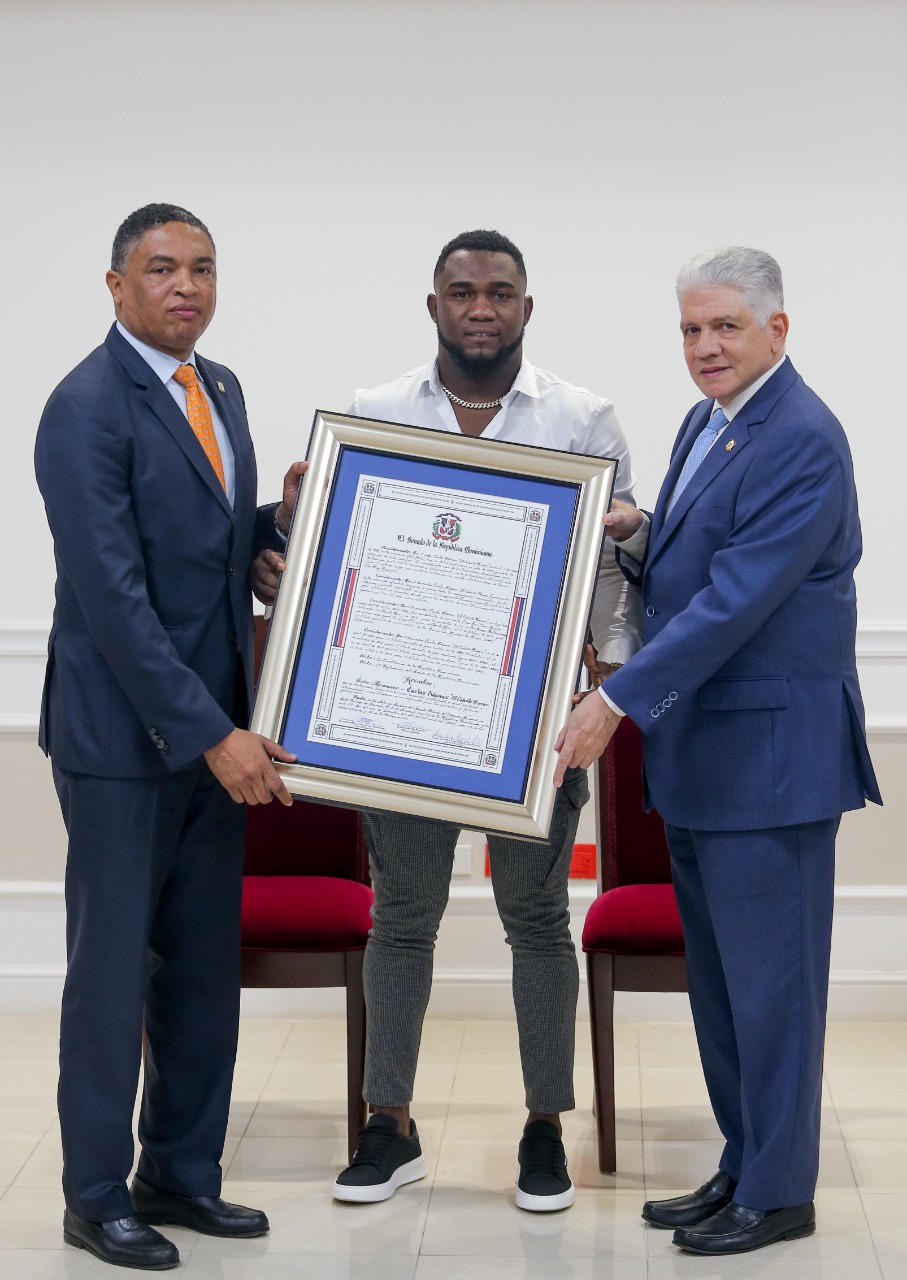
x,y
165,367
541,410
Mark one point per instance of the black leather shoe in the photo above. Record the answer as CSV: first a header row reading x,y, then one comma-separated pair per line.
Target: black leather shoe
x,y
125,1242
736,1229
688,1211
208,1214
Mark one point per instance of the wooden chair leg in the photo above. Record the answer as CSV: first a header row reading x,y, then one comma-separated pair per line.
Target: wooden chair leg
x,y
600,971
355,1049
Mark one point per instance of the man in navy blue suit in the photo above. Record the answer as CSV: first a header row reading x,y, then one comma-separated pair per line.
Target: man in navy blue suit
x,y
147,470
746,691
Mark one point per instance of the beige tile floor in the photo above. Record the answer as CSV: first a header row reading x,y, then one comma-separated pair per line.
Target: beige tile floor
x,y
286,1143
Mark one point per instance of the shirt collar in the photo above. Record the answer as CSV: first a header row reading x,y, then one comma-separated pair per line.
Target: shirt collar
x,y
524,382
734,405
163,365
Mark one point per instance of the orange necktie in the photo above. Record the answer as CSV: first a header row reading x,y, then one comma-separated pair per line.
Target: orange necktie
x,y
199,412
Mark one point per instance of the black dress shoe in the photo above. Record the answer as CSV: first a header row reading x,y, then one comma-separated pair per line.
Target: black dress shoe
x,y
125,1242
688,1211
208,1214
736,1229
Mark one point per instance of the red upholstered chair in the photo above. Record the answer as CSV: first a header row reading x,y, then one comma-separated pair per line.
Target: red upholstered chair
x,y
306,913
632,935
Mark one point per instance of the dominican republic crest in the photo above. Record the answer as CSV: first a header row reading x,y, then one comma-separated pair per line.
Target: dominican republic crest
x,y
447,527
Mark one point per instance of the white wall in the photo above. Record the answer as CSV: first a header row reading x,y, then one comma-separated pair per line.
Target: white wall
x,y
333,147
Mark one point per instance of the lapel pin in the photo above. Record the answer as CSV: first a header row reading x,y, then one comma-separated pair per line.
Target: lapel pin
x,y
729,446
221,387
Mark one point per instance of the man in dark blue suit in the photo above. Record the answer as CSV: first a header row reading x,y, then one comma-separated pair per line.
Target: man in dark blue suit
x,y
746,690
147,470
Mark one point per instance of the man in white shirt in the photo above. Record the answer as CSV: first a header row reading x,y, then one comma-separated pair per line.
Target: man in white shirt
x,y
480,384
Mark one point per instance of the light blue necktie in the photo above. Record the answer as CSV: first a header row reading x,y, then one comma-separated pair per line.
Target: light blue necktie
x,y
701,446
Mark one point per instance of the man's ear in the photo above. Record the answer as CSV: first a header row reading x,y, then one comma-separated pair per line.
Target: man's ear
x,y
779,325
115,285
432,303
527,308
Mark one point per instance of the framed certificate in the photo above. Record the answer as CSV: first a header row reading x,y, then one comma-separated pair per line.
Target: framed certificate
x,y
430,622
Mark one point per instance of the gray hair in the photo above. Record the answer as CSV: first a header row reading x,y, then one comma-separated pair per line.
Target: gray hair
x,y
752,272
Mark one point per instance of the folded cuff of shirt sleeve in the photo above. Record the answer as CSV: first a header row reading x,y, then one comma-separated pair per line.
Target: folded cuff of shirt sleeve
x,y
613,705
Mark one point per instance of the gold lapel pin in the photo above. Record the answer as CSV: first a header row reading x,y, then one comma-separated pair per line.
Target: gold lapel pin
x,y
221,387
729,446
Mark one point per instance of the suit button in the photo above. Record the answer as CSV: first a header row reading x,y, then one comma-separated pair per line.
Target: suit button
x,y
231,637
231,571
650,611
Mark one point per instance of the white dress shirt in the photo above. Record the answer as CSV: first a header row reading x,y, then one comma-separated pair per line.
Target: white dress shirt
x,y
539,409
165,367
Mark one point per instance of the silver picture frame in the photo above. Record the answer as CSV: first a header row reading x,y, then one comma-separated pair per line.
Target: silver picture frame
x,y
585,483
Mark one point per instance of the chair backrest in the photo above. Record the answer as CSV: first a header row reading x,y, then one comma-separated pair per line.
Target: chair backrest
x,y
306,839
634,848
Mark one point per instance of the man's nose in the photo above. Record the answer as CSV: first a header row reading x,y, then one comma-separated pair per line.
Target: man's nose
x,y
707,344
482,306
183,282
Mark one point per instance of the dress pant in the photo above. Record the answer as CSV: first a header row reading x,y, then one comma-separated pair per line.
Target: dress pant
x,y
411,863
756,908
153,892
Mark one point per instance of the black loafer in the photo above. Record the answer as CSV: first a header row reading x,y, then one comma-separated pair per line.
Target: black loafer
x,y
689,1211
208,1214
736,1229
125,1242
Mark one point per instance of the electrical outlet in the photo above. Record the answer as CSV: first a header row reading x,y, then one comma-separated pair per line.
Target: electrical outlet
x,y
462,865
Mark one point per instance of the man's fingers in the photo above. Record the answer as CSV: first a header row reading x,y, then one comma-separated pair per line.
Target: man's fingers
x,y
264,575
278,790
561,768
277,751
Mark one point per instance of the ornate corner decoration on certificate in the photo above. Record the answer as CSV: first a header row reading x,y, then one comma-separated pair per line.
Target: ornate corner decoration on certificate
x,y
430,622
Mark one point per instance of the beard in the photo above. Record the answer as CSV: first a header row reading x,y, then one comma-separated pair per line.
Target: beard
x,y
480,365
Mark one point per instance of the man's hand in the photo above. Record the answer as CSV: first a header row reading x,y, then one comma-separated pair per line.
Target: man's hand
x,y
269,565
622,521
597,671
291,482
241,762
584,737
265,574
590,662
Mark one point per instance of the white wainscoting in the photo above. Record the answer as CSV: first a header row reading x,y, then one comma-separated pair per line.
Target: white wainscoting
x,y
869,957
881,658
868,978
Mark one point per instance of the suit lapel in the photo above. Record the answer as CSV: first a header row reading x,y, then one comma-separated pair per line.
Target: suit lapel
x,y
728,445
165,408
698,418
230,414
726,449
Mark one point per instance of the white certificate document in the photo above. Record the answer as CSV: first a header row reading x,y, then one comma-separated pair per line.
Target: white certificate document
x,y
428,623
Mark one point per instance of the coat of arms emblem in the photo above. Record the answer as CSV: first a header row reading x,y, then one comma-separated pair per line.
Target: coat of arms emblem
x,y
447,527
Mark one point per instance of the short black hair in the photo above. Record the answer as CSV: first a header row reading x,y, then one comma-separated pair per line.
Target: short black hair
x,y
150,215
483,242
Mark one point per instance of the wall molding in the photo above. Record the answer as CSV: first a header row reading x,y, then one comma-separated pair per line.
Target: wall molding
x,y
868,978
875,640
881,657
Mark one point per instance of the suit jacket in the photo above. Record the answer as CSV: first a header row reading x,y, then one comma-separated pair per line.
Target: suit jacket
x,y
152,628
746,686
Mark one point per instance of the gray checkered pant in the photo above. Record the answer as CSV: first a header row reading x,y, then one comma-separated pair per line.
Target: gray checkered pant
x,y
411,863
